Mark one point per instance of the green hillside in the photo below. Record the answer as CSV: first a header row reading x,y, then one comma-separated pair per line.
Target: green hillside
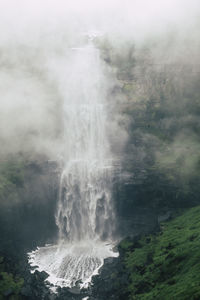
x,y
166,265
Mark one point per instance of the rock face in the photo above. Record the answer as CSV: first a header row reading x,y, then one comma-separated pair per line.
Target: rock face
x,y
27,215
40,195
136,211
27,210
106,285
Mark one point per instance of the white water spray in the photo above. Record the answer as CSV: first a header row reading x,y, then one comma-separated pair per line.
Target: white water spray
x,y
84,215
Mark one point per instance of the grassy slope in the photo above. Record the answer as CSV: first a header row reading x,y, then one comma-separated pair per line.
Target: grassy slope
x,y
166,265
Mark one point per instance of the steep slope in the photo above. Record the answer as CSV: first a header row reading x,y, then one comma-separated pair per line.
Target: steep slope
x,y
166,265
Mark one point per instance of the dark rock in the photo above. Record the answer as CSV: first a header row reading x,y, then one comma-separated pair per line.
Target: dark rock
x,y
26,291
75,290
32,268
165,217
41,275
8,292
44,275
109,260
51,297
69,294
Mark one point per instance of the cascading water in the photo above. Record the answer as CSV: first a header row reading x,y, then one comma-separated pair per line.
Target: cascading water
x,y
84,214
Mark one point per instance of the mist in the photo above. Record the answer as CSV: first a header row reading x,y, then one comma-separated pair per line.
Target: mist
x,y
35,44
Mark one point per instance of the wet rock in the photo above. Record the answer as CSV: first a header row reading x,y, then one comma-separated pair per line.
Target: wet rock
x,y
41,275
75,290
109,260
69,294
44,275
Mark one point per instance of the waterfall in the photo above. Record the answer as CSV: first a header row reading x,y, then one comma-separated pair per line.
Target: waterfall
x,y
84,208
84,215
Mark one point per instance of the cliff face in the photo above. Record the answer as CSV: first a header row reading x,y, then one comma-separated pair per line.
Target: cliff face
x,y
28,196
156,103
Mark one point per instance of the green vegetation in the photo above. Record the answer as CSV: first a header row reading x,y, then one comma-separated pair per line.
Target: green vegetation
x,y
9,285
166,265
11,177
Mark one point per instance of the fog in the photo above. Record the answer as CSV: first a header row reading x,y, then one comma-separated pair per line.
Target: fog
x,y
35,43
